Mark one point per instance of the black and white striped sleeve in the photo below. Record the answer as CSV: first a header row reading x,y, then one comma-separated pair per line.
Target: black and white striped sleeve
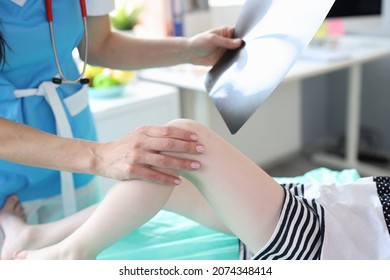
x,y
299,233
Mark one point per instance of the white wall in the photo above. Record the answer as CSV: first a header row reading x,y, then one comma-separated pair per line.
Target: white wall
x,y
224,15
274,131
216,16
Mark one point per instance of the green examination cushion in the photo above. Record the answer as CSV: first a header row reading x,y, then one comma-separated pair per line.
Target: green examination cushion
x,y
169,236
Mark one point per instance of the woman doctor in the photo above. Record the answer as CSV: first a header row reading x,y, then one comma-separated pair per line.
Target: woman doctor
x,y
47,134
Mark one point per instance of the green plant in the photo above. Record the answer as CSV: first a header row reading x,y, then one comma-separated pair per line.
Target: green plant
x,y
125,18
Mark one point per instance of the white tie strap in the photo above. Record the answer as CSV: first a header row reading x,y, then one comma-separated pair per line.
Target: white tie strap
x,y
75,104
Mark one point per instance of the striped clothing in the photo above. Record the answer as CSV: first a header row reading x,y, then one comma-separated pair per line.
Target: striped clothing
x,y
349,221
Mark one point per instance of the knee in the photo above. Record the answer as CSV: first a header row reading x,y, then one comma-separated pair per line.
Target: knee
x,y
190,125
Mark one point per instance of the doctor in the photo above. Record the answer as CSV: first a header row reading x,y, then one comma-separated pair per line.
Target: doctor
x,y
48,149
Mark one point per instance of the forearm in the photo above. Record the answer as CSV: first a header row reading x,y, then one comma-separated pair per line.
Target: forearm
x,y
115,50
134,156
118,51
124,52
25,145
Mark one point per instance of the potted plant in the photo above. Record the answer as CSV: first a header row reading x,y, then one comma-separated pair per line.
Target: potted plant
x,y
125,16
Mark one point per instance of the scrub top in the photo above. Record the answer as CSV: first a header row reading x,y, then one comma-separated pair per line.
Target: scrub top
x,y
29,63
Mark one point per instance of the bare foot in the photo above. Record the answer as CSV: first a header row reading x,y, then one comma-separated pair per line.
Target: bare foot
x,y
59,251
13,224
21,237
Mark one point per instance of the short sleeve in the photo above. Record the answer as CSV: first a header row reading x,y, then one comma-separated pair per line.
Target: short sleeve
x,y
99,7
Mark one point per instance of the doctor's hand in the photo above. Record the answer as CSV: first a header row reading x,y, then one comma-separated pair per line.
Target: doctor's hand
x,y
208,47
139,154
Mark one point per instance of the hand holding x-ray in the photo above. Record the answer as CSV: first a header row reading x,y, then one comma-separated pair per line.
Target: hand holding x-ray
x,y
275,33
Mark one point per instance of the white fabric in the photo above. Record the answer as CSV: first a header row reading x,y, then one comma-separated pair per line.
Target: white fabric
x,y
99,7
354,224
77,102
94,7
40,91
41,211
355,227
48,90
19,2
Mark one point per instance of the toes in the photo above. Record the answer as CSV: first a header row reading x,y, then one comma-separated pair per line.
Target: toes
x,y
10,203
13,206
20,255
19,211
18,207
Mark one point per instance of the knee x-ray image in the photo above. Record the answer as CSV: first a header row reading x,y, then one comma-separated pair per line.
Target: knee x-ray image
x,y
275,32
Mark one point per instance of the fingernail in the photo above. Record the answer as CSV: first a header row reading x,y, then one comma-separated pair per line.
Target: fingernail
x,y
194,137
177,181
199,149
195,165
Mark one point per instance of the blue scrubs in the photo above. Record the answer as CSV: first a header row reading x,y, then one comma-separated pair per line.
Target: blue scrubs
x,y
30,62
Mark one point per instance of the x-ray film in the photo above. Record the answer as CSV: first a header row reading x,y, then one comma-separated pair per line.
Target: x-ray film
x,y
275,33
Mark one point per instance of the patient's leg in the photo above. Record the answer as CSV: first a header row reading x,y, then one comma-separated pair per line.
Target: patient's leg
x,y
187,201
127,206
247,200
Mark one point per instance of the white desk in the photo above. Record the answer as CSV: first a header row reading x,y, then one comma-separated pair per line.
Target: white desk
x,y
361,50
142,103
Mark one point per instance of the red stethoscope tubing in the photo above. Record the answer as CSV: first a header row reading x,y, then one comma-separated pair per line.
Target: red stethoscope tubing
x,y
49,9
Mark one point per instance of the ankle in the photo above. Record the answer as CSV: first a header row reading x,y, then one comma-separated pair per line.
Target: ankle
x,y
70,250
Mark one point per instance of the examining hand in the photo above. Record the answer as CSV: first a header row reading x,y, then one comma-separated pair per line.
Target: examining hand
x,y
138,154
207,48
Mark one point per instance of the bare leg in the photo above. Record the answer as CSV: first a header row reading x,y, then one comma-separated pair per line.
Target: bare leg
x,y
127,206
246,199
187,201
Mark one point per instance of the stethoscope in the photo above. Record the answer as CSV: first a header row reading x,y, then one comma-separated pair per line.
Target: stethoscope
x,y
62,78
